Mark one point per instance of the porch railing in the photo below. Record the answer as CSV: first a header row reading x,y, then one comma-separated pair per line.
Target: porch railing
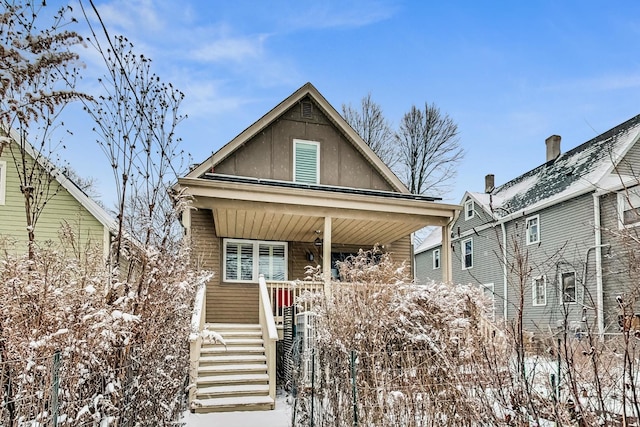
x,y
195,336
284,294
269,334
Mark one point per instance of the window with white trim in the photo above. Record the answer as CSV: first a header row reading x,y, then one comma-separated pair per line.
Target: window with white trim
x,y
569,287
488,289
306,161
539,290
245,260
436,259
3,181
629,207
467,253
533,230
469,210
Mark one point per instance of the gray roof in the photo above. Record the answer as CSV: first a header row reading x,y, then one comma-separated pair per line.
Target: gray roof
x,y
575,172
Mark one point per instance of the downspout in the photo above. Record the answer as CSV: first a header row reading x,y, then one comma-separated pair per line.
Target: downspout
x,y
598,247
504,269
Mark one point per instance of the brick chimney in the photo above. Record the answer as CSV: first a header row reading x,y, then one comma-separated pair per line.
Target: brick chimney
x,y
553,147
489,183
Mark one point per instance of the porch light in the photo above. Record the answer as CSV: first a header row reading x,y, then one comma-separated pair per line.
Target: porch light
x,y
317,242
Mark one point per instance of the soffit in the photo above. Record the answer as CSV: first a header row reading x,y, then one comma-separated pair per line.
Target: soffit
x,y
253,212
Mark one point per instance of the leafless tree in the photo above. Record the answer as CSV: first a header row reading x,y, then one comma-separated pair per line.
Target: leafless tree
x,y
429,150
39,72
372,126
135,119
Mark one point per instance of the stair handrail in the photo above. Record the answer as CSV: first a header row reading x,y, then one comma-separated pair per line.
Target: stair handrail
x,y
269,334
198,318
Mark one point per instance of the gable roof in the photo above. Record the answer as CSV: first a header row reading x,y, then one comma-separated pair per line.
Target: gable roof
x,y
433,240
88,203
306,90
578,171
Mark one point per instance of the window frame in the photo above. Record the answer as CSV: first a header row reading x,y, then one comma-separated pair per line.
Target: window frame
x,y
436,259
255,270
469,210
527,227
562,288
295,162
3,181
534,291
464,254
490,287
624,205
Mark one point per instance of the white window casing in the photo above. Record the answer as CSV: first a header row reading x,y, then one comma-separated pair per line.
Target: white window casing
x,y
306,161
3,181
569,287
436,259
469,210
533,230
245,260
629,207
539,288
467,253
488,289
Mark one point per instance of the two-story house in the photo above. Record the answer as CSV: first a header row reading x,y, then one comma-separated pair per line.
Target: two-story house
x,y
558,243
298,187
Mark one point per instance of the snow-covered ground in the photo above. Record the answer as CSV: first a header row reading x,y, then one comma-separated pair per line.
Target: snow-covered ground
x,y
279,417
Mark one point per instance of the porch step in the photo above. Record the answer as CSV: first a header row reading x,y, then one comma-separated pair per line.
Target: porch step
x,y
220,349
227,404
233,377
231,359
213,392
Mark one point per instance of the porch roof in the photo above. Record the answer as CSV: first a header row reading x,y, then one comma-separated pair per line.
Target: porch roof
x,y
248,208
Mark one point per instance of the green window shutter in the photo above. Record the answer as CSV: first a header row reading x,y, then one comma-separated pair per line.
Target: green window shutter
x,y
306,162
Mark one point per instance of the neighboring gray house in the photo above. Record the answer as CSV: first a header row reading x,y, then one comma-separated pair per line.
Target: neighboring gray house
x,y
561,241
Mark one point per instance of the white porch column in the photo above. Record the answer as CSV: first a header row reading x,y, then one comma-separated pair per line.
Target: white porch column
x,y
186,221
447,272
326,256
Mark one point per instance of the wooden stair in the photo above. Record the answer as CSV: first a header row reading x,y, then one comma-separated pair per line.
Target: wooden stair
x,y
233,377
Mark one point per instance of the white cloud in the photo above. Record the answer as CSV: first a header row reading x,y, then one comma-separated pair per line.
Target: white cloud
x,y
236,49
337,14
132,15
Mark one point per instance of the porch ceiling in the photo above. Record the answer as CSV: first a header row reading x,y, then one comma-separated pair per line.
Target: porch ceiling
x,y
250,211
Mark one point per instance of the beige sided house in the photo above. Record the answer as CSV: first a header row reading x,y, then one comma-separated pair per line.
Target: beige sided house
x,y
90,223
298,187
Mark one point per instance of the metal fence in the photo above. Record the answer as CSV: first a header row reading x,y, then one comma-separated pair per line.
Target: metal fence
x,y
48,391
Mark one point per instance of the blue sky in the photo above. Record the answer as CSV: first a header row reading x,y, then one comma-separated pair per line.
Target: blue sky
x,y
510,73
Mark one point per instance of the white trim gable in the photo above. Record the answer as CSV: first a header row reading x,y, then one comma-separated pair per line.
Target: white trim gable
x,y
306,90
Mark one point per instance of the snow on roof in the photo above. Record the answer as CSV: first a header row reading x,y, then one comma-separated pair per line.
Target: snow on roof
x,y
432,240
575,172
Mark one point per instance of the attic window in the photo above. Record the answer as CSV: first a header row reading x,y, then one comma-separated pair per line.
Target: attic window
x,y
307,109
469,210
306,161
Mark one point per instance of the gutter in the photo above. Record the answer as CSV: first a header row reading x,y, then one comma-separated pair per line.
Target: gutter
x,y
598,248
504,270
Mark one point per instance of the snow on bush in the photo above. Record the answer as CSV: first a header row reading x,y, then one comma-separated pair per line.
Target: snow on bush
x,y
411,344
122,343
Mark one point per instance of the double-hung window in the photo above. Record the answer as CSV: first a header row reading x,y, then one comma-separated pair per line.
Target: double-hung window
x,y
3,181
569,288
436,259
467,254
629,207
533,230
539,290
245,260
306,161
469,210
